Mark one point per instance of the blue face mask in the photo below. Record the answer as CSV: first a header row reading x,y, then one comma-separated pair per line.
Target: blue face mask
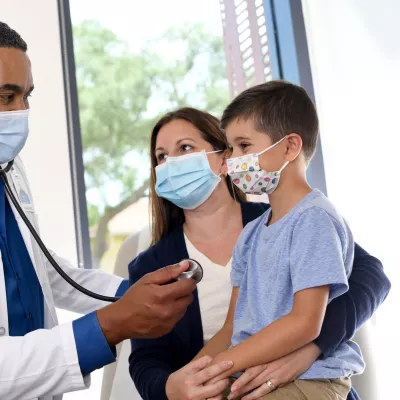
x,y
186,181
14,131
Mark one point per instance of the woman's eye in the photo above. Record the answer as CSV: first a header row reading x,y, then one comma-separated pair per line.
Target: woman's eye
x,y
186,147
161,157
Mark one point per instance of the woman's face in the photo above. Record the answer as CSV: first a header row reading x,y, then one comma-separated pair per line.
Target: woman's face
x,y
180,137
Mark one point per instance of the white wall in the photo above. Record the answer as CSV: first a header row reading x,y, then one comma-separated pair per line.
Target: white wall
x,y
46,155
355,59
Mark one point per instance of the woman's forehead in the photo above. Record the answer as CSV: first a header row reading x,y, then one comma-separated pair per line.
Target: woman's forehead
x,y
176,131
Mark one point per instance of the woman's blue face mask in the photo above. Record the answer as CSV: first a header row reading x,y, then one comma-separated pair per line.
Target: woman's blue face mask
x,y
186,181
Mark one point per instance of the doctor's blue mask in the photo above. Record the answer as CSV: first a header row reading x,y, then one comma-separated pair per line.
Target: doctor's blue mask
x,y
186,181
14,129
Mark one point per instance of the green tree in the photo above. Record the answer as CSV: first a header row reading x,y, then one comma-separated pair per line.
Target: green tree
x,y
117,91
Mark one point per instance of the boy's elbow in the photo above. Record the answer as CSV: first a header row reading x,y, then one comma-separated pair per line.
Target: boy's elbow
x,y
310,330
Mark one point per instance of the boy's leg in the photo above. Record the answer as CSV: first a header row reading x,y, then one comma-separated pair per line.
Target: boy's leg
x,y
325,388
287,392
317,389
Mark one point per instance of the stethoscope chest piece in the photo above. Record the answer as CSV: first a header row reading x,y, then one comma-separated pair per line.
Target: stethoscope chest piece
x,y
195,271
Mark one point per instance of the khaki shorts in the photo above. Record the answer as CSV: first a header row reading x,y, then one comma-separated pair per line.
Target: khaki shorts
x,y
316,389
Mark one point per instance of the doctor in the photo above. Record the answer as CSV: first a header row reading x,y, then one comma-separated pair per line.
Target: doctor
x,y
38,358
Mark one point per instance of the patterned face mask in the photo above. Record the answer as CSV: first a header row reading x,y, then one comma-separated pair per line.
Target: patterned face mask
x,y
248,176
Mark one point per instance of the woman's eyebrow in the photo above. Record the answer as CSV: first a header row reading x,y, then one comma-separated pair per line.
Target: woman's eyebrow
x,y
188,138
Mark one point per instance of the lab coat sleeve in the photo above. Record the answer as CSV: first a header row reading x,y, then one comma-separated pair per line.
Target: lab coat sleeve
x,y
68,298
43,362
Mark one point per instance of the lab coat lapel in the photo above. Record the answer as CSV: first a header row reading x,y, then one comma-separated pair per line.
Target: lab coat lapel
x,y
17,183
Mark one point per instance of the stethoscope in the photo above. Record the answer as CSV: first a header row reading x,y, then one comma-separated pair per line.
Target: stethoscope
x,y
195,271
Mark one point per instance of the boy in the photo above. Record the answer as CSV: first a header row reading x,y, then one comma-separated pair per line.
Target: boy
x,y
289,263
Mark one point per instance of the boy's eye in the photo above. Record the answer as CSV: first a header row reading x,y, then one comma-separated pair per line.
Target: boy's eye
x,y
244,145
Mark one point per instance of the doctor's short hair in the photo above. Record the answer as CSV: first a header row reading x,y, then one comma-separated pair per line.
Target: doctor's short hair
x,y
11,39
277,108
165,216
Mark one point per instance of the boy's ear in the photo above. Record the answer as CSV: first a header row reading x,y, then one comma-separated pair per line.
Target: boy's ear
x,y
294,146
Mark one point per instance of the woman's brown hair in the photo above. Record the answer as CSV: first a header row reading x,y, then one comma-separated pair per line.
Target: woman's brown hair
x,y
166,216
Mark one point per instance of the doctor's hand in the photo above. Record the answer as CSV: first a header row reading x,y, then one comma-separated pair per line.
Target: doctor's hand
x,y
191,381
150,308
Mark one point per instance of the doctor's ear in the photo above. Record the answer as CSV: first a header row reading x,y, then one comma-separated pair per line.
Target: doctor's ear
x,y
294,144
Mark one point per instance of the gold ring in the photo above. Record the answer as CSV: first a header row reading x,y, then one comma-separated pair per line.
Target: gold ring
x,y
271,385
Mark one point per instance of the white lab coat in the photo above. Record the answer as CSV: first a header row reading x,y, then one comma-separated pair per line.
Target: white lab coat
x,y
44,364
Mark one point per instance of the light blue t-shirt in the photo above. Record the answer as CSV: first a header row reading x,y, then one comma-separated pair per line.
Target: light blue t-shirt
x,y
310,246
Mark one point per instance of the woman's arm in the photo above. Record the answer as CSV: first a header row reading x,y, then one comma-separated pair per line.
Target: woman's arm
x,y
368,288
150,365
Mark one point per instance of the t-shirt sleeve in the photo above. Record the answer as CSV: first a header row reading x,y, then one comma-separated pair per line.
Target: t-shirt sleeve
x,y
319,251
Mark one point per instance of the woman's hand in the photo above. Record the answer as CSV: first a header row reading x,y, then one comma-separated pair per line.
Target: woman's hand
x,y
191,381
256,381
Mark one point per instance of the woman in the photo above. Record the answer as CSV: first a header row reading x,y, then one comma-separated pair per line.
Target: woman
x,y
197,214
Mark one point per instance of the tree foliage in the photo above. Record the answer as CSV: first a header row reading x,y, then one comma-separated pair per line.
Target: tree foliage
x,y
121,95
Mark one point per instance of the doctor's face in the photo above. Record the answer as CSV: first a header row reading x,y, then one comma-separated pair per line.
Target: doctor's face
x,y
16,83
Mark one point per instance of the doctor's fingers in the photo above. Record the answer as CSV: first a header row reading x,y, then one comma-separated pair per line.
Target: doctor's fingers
x,y
175,310
167,274
175,290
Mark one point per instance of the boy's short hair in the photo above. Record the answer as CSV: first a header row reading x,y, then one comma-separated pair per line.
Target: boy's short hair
x,y
277,109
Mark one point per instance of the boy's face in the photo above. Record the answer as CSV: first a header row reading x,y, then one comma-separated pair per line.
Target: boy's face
x,y
245,139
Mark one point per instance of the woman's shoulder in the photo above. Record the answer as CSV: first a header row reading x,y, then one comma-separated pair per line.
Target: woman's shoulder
x,y
167,251
252,211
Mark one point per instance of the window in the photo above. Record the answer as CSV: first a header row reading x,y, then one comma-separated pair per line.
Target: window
x,y
133,64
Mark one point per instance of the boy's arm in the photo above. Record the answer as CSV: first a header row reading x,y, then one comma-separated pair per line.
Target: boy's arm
x,y
222,339
301,326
